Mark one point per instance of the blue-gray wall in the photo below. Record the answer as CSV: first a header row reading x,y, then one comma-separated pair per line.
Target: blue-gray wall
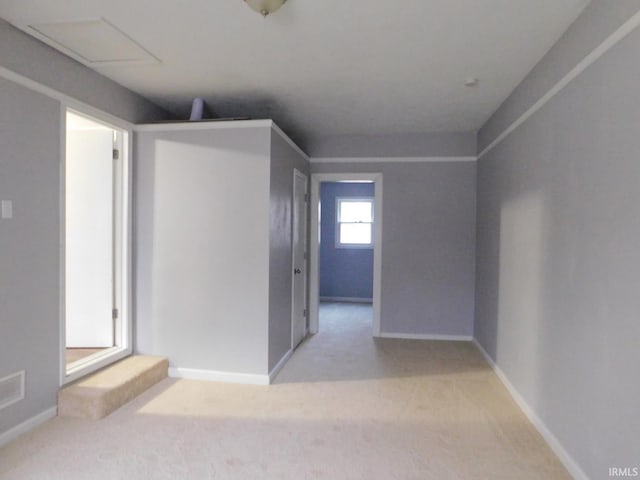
x,y
29,256
344,272
461,144
558,257
428,243
30,172
32,59
284,158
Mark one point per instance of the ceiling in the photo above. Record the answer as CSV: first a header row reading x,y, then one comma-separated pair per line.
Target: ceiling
x,y
322,68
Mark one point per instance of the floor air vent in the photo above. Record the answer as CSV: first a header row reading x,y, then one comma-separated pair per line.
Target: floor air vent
x,y
11,389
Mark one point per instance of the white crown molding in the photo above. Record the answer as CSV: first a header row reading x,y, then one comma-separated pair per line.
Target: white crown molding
x,y
218,376
419,336
218,125
390,159
611,41
570,464
28,425
201,125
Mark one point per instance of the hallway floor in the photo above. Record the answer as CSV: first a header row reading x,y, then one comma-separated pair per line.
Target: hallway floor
x,y
346,406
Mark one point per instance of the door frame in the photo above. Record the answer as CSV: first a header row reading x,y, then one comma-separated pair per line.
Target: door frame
x,y
298,173
124,264
314,245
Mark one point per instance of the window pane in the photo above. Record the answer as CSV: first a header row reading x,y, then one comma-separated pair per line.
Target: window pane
x,y
355,233
355,211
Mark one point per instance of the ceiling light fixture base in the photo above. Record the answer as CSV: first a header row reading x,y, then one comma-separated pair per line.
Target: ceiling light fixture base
x,y
265,7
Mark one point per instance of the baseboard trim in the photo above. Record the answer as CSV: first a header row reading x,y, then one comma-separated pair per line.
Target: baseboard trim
x,y
567,460
28,425
218,376
419,336
274,372
346,299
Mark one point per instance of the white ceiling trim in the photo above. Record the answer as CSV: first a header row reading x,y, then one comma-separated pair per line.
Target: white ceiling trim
x,y
391,159
611,41
202,125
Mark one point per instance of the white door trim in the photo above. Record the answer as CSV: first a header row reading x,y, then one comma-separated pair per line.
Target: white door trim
x,y
298,173
124,259
314,245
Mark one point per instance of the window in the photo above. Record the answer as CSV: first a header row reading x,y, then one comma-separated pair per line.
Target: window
x,y
354,222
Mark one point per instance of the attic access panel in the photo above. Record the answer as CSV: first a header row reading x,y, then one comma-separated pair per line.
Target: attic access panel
x,y
93,42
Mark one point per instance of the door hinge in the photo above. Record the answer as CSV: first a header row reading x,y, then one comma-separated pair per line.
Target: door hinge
x,y
116,154
305,255
306,197
114,313
304,313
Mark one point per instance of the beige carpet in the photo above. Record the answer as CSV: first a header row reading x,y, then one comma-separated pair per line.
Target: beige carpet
x,y
345,407
75,354
101,393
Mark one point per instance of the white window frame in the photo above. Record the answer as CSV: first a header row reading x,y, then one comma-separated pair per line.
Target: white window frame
x,y
338,242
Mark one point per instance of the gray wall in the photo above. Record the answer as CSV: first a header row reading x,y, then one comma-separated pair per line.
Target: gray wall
x,y
29,259
428,244
33,59
283,160
399,145
202,247
557,303
598,20
30,162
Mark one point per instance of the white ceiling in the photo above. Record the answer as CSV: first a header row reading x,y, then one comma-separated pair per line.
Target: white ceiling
x,y
326,67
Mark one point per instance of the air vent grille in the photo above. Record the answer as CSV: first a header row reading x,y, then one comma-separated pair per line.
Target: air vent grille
x,y
11,389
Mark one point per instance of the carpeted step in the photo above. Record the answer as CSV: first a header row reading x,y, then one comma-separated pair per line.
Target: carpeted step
x,y
99,394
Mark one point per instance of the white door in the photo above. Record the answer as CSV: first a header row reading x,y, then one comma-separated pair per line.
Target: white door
x,y
89,234
299,263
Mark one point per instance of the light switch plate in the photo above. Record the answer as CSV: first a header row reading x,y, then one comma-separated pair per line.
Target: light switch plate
x,y
7,209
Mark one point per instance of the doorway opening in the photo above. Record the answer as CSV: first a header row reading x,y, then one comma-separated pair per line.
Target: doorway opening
x,y
346,247
96,328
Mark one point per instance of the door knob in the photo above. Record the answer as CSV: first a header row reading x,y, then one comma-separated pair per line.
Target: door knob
x,y
297,271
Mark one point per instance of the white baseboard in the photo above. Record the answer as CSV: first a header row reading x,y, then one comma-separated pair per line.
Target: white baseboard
x,y
27,425
570,464
274,372
218,376
346,299
419,336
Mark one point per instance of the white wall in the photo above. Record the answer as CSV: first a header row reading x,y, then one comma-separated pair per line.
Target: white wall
x,y
202,247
